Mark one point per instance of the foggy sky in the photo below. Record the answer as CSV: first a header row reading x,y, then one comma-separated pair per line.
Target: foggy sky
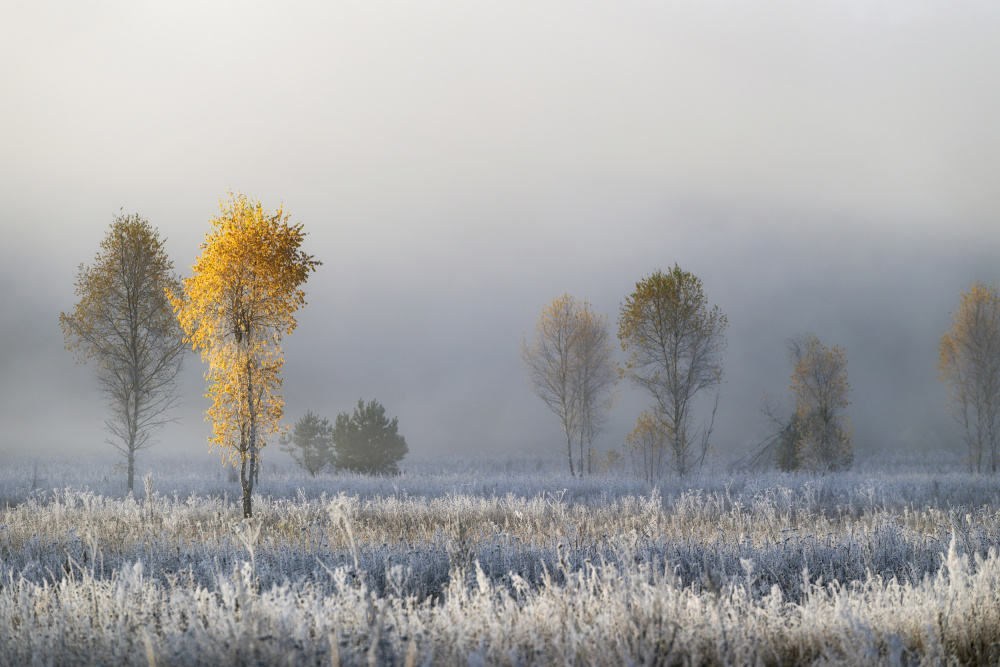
x,y
827,167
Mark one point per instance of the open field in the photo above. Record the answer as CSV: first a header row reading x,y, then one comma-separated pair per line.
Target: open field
x,y
497,561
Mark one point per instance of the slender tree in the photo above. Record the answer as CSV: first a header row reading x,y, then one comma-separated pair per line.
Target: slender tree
x,y
570,365
969,365
310,443
235,308
124,324
596,378
674,342
819,384
647,447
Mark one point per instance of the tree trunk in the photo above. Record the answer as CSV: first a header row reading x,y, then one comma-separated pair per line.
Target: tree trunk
x,y
131,469
247,469
569,451
247,477
679,445
134,364
247,501
132,432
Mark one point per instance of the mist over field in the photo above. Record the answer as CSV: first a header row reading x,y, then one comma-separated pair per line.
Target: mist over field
x,y
825,168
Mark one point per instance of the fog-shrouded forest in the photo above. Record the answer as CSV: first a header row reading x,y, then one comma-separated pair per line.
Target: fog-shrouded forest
x,y
661,333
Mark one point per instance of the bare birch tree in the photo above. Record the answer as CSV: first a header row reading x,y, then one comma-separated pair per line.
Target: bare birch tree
x,y
570,365
125,324
969,365
597,375
674,343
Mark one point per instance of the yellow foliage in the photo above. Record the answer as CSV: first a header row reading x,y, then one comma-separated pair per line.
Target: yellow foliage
x,y
610,462
125,325
648,446
819,384
964,346
666,327
235,309
674,342
121,297
969,366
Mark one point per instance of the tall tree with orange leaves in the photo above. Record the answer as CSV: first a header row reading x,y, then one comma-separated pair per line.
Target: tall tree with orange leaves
x,y
235,309
969,365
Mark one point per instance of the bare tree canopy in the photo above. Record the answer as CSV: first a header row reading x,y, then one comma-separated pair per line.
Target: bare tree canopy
x,y
969,365
674,342
570,365
124,323
778,449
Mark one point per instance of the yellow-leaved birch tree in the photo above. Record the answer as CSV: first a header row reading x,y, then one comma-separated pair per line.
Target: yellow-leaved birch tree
x,y
235,309
124,324
674,342
821,390
969,365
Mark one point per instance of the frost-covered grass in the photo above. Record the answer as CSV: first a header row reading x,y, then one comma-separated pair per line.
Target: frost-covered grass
x,y
499,560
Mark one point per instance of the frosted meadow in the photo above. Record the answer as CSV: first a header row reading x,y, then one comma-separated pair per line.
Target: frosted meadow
x,y
497,561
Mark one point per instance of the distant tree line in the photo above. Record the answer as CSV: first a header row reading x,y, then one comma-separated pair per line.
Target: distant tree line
x,y
674,341
134,319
